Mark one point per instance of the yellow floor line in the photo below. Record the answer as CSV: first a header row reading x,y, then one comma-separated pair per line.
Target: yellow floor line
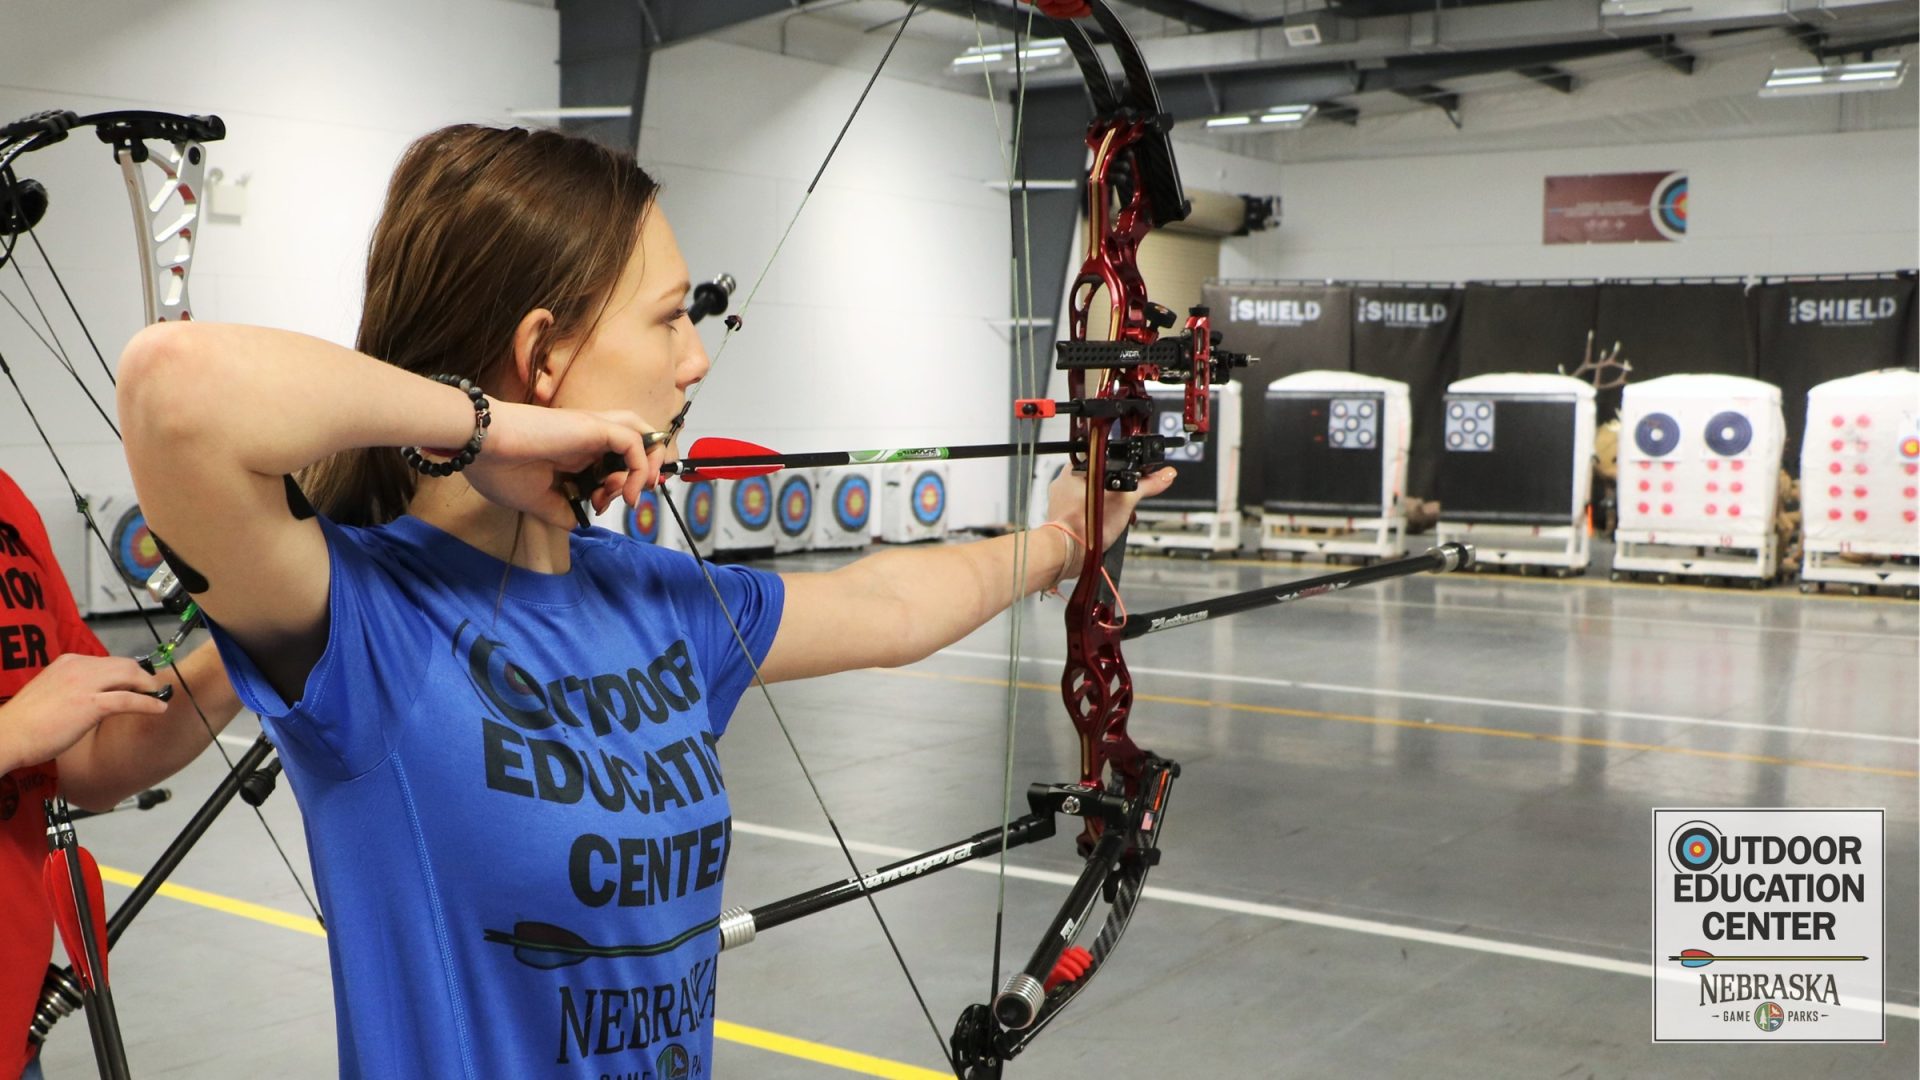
x,y
1422,725
864,1064
758,1038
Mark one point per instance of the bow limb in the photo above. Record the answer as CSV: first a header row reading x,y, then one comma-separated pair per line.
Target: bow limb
x,y
166,221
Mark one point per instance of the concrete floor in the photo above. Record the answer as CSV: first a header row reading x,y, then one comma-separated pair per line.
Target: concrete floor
x,y
1411,840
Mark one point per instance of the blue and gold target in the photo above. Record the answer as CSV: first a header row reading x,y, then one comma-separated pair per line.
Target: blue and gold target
x,y
753,502
929,498
796,506
1669,206
853,503
135,553
642,522
700,509
1695,847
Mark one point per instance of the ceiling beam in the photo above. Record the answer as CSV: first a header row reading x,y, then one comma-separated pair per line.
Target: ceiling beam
x,y
1439,97
1199,16
1827,50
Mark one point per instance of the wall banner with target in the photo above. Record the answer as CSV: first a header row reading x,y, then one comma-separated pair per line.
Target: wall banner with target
x,y
1616,208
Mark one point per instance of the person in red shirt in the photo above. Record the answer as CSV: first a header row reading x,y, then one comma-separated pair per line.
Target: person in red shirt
x,y
74,720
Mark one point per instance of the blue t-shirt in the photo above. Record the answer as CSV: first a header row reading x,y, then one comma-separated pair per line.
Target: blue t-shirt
x,y
516,815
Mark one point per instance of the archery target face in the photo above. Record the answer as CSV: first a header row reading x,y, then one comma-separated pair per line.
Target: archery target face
x,y
642,522
1668,207
796,506
1353,423
853,503
1173,424
700,509
1696,847
1657,435
1469,424
929,498
753,502
135,553
1694,465
1860,464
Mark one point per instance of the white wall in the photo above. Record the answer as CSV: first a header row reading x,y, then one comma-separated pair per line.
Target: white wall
x,y
875,327
319,100
1795,204
1785,185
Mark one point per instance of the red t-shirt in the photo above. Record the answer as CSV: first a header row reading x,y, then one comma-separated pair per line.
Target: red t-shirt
x,y
38,621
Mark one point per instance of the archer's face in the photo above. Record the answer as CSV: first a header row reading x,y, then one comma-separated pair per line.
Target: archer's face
x,y
644,354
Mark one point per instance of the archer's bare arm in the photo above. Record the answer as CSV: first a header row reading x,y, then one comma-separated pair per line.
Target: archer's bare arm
x,y
898,607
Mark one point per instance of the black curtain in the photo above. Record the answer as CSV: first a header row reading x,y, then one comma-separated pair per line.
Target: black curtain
x,y
1540,328
1288,329
1810,332
1411,334
1680,329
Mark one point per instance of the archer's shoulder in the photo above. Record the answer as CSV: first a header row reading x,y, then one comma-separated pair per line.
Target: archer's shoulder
x,y
599,546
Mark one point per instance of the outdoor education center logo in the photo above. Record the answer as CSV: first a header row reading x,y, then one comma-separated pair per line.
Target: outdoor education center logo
x,y
1769,925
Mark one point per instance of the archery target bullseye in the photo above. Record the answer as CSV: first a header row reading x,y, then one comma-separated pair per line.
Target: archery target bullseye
x,y
1696,847
135,554
700,509
1657,434
642,522
853,503
753,502
796,506
1729,433
929,498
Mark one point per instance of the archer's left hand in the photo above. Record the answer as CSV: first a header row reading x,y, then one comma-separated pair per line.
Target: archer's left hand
x,y
1067,504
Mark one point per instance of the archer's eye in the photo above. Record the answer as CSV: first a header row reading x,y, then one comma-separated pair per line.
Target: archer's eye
x,y
673,320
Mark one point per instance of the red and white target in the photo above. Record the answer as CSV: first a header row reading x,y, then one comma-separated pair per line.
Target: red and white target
x,y
1700,455
1860,461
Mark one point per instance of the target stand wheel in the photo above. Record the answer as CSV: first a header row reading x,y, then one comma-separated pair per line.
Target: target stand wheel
x,y
1806,586
1910,593
1856,590
1662,579
1615,576
1757,584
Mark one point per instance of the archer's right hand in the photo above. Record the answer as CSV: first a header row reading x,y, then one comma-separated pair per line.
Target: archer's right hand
x,y
529,447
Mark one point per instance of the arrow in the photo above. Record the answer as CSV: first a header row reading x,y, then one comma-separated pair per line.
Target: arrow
x,y
1699,958
714,458
546,946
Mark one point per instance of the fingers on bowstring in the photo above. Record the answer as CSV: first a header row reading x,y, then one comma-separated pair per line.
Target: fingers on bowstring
x,y
129,701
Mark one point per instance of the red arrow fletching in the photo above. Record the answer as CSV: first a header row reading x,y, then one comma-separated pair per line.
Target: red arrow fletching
x,y
713,447
66,915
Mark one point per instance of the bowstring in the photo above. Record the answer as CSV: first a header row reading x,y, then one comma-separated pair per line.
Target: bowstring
x,y
82,506
1025,458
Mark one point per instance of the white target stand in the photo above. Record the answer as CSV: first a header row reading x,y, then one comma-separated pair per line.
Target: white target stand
x,y
913,506
843,508
135,555
1336,465
747,511
1201,511
793,511
1517,471
1860,484
1699,479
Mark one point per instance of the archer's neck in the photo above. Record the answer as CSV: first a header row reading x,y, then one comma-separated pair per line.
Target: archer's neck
x,y
451,505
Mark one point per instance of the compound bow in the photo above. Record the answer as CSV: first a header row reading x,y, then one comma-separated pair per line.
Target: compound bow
x,y
166,222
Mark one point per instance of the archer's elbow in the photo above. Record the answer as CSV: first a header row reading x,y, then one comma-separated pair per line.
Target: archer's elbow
x,y
160,369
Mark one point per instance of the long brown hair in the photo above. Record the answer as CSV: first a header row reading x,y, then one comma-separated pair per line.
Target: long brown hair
x,y
481,226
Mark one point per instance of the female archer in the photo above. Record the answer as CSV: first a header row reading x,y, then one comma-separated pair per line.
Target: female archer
x,y
502,730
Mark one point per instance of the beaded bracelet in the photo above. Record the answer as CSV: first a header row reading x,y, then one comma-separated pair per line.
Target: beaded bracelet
x,y
482,418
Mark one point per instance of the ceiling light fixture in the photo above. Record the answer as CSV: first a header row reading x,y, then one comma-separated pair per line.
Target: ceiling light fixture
x,y
1036,53
1835,79
1276,117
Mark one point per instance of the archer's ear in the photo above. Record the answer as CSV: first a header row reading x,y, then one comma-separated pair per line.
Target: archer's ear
x,y
539,362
